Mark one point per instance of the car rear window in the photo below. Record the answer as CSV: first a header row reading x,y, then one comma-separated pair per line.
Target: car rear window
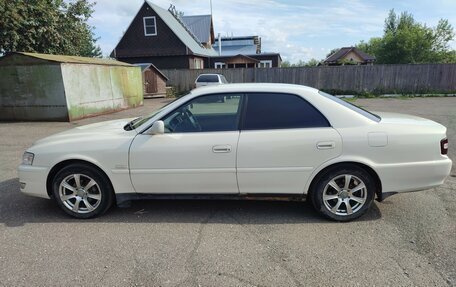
x,y
207,79
352,107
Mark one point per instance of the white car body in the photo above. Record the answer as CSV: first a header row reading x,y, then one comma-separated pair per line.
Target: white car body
x,y
402,150
215,79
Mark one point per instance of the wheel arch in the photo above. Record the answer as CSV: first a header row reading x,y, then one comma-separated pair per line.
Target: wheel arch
x,y
337,165
55,169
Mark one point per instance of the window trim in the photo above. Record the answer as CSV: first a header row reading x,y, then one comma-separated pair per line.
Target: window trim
x,y
219,65
265,63
246,103
144,25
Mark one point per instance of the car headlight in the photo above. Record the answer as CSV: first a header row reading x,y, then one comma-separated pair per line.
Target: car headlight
x,y
27,158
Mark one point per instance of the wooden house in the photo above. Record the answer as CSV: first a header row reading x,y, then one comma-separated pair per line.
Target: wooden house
x,y
243,52
349,56
161,37
170,40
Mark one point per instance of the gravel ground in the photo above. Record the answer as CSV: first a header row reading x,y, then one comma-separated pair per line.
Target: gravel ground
x,y
407,240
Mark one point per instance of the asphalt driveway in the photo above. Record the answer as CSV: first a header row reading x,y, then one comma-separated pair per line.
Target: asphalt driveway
x,y
407,240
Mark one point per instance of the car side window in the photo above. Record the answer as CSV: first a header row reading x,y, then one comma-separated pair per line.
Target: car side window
x,y
281,111
210,113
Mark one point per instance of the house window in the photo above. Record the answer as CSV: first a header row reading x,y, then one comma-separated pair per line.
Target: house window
x,y
265,64
219,65
198,63
150,27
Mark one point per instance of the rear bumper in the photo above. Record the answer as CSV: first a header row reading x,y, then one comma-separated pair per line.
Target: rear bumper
x,y
414,176
32,180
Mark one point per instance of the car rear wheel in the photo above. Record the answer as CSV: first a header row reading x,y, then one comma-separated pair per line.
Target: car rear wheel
x,y
82,191
344,194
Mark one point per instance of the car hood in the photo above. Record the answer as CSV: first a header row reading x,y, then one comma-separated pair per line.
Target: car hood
x,y
97,130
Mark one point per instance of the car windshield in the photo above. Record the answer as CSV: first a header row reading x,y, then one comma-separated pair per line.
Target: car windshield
x,y
352,107
141,120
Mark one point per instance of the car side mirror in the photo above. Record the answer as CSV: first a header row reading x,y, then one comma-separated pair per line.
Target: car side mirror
x,y
158,128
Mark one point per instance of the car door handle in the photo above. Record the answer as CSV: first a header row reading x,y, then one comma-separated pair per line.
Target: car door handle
x,y
221,148
326,145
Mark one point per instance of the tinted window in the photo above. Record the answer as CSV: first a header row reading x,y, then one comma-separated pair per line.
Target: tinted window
x,y
352,107
205,114
208,79
281,111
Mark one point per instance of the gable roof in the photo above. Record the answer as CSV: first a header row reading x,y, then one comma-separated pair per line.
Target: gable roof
x,y
151,66
69,59
181,32
344,51
200,25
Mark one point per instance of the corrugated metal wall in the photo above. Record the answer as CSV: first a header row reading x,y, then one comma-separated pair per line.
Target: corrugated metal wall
x,y
33,92
97,89
44,91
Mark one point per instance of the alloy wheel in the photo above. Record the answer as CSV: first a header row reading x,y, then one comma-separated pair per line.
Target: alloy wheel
x,y
80,193
345,195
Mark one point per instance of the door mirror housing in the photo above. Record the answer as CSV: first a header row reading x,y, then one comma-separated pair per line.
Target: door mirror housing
x,y
158,128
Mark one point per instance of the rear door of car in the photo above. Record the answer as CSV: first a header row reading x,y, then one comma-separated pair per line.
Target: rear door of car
x,y
283,139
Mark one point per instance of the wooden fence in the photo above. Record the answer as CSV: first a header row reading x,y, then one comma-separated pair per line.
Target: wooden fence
x,y
381,79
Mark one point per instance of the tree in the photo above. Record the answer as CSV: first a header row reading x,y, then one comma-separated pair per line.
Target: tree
x,y
48,26
333,51
407,41
311,63
371,47
285,64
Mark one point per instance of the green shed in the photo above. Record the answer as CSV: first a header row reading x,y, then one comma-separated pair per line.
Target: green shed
x,y
42,87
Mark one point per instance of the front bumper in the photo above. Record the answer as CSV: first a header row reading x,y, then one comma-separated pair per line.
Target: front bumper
x,y
32,180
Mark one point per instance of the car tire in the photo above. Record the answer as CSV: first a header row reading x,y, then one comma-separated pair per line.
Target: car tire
x,y
82,191
335,199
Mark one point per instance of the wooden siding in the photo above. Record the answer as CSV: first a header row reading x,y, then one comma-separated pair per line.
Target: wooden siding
x,y
170,62
153,83
422,78
276,62
135,44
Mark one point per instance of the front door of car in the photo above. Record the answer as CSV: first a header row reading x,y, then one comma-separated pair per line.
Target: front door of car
x,y
282,141
197,152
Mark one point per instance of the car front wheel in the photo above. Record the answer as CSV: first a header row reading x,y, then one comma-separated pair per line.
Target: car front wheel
x,y
344,194
82,191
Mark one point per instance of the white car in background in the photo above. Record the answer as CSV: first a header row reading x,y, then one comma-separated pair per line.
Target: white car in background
x,y
266,141
210,79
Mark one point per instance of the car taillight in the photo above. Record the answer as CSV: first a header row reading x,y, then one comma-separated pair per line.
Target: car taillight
x,y
444,146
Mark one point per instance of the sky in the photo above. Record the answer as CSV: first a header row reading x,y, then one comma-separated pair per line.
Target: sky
x,y
298,30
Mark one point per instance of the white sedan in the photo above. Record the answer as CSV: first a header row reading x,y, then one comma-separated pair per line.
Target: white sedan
x,y
266,141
